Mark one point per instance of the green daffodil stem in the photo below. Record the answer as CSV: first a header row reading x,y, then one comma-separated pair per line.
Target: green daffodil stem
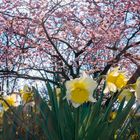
x,y
77,111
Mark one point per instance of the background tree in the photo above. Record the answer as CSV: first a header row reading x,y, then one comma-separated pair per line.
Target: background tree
x,y
40,39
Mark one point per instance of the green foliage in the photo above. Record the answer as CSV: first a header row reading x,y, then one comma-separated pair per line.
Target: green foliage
x,y
56,119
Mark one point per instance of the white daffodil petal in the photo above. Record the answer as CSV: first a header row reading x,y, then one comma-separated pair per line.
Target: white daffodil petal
x,y
90,83
75,105
112,87
70,84
91,99
115,72
106,90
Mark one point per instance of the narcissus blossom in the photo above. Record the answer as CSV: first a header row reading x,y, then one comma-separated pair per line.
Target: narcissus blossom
x,y
26,94
115,80
80,90
11,100
112,116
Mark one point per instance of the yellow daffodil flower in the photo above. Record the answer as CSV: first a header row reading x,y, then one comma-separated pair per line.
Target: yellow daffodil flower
x,y
11,100
115,80
125,93
26,94
112,116
137,89
80,90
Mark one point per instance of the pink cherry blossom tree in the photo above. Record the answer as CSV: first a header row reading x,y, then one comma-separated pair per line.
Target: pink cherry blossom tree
x,y
41,39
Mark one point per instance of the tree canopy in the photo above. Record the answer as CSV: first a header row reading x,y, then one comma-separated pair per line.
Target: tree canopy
x,y
40,38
